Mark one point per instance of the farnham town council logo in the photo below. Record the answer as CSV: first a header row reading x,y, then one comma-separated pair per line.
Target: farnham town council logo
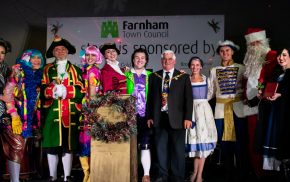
x,y
109,27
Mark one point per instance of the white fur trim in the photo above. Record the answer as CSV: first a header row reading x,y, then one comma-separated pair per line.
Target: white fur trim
x,y
256,36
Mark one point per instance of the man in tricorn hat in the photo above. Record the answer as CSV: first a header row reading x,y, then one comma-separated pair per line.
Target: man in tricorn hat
x,y
62,92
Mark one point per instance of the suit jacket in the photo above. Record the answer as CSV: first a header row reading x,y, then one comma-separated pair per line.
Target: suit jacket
x,y
179,99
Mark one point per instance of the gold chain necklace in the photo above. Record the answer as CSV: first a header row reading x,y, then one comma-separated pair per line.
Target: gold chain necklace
x,y
168,80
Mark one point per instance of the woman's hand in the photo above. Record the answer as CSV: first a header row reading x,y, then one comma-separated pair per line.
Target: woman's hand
x,y
274,97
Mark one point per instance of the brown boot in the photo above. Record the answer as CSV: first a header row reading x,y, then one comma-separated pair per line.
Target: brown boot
x,y
146,178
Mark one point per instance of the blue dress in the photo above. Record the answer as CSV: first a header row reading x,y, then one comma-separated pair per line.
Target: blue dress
x,y
201,139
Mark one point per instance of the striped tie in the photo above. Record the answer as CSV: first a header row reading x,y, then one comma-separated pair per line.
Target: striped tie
x,y
165,89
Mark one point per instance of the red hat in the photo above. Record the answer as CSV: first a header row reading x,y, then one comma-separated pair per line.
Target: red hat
x,y
255,34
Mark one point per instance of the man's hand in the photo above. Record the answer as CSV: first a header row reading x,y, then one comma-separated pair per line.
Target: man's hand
x,y
149,123
187,124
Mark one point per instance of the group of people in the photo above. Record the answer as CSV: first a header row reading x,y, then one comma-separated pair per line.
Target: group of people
x,y
172,109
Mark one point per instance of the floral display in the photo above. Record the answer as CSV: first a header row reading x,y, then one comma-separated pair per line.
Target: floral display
x,y
104,130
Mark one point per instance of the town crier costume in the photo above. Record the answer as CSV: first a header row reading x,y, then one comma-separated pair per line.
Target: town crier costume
x,y
259,59
63,91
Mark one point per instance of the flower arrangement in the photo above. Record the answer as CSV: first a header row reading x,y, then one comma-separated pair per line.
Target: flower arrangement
x,y
104,130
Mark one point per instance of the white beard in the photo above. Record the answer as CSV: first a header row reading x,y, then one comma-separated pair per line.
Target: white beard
x,y
254,59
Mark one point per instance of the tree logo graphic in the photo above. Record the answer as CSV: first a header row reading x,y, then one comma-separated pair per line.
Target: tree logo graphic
x,y
110,28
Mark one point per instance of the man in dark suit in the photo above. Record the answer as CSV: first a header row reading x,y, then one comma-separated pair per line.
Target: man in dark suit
x,y
169,111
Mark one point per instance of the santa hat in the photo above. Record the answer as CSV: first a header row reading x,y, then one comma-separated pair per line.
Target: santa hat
x,y
255,34
228,43
58,41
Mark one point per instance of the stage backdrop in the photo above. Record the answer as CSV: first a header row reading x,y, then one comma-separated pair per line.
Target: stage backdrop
x,y
187,36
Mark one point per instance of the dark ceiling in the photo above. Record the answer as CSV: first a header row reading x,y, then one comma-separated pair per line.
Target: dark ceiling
x,y
239,15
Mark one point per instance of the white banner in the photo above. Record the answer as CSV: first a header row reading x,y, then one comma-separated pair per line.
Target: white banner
x,y
187,36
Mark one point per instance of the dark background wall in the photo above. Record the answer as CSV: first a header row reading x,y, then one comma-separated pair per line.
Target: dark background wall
x,y
23,22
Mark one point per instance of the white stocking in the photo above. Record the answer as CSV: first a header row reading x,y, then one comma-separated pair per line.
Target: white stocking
x,y
52,164
146,161
67,164
14,171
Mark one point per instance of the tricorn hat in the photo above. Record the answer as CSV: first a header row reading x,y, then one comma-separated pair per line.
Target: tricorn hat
x,y
58,41
106,46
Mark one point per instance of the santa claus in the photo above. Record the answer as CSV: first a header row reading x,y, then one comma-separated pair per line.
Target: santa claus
x,y
259,61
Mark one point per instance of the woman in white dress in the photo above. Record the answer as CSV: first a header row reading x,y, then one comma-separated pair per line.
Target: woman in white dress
x,y
201,139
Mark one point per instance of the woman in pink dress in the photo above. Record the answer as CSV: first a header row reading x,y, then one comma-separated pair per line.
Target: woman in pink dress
x,y
91,57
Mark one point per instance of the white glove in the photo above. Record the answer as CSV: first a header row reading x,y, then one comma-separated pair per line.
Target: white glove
x,y
64,91
58,91
54,94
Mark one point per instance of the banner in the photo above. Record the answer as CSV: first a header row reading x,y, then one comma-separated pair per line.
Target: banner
x,y
187,36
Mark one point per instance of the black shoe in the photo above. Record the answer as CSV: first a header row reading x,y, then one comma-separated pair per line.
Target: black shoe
x,y
69,179
50,179
162,179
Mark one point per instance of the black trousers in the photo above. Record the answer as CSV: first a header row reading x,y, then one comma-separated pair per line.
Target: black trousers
x,y
170,150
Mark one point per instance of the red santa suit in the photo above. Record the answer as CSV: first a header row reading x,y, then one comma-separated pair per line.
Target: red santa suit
x,y
259,63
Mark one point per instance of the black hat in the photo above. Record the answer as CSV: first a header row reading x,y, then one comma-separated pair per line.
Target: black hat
x,y
58,41
106,46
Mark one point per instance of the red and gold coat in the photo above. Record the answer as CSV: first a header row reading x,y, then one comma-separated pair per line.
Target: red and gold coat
x,y
59,113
